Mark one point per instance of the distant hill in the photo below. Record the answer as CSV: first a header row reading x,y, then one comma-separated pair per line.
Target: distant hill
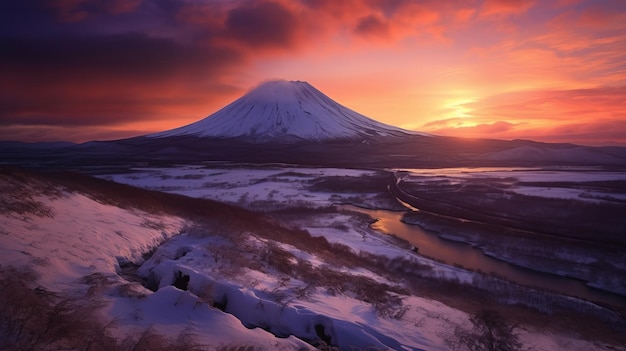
x,y
293,122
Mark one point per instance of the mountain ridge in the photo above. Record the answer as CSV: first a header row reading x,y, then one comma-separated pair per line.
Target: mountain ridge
x,y
293,122
280,110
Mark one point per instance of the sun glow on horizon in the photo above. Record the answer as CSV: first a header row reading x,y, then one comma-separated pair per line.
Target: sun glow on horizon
x,y
551,71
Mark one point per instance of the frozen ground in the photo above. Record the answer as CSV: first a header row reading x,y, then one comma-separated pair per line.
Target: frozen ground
x,y
75,237
244,288
583,203
558,182
259,188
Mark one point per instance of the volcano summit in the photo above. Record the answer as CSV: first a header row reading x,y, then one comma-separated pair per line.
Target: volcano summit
x,y
293,122
285,111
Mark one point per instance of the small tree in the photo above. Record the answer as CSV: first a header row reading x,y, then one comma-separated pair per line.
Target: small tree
x,y
490,332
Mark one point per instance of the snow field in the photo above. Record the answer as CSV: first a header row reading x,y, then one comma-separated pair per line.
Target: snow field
x,y
84,238
268,299
81,237
255,188
232,271
567,174
172,311
242,186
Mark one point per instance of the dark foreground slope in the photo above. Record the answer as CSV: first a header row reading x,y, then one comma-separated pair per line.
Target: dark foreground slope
x,y
410,277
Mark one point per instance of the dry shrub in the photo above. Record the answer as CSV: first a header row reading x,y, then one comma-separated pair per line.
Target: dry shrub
x,y
490,332
17,192
230,259
383,297
150,340
98,283
278,258
239,348
132,290
398,266
323,346
33,318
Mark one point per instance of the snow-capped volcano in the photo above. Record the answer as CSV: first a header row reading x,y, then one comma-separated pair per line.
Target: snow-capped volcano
x,y
285,110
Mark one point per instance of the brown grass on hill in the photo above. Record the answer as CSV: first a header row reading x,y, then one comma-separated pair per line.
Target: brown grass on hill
x,y
217,214
235,222
18,191
33,318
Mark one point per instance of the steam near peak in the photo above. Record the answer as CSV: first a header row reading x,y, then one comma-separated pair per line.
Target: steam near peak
x,y
279,90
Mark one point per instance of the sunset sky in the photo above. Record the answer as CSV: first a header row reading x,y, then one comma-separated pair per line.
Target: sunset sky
x,y
79,70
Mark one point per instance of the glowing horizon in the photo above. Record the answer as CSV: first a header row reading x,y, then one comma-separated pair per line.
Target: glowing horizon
x,y
506,69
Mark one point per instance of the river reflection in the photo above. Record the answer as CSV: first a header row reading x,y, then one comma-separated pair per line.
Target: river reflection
x,y
455,253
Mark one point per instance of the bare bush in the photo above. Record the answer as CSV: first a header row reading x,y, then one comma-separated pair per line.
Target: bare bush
x,y
150,340
383,297
132,290
490,332
33,318
98,283
239,348
280,259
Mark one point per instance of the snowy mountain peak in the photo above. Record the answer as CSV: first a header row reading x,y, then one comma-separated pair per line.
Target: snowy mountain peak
x,y
279,90
286,111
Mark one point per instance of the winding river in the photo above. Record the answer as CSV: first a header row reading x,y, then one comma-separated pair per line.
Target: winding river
x,y
456,253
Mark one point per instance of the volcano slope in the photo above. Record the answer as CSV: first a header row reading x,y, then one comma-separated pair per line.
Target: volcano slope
x,y
293,122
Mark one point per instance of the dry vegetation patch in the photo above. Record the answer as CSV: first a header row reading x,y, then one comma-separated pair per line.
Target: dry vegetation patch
x,y
18,193
33,318
18,316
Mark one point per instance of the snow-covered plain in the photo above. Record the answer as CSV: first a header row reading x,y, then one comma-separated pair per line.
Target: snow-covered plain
x,y
257,188
73,236
512,176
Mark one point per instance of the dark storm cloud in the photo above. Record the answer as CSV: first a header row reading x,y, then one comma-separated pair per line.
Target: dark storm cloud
x,y
73,11
132,55
263,24
47,81
23,18
103,62
114,64
372,25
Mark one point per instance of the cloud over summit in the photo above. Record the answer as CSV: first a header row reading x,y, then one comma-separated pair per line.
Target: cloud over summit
x,y
152,65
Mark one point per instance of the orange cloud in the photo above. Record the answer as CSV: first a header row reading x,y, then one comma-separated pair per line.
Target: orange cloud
x,y
505,7
372,25
87,82
498,67
561,115
464,15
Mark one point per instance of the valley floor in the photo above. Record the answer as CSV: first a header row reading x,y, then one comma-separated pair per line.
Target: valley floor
x,y
284,268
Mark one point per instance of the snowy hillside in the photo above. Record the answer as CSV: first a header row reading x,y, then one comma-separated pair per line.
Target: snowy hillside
x,y
143,269
285,110
68,246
